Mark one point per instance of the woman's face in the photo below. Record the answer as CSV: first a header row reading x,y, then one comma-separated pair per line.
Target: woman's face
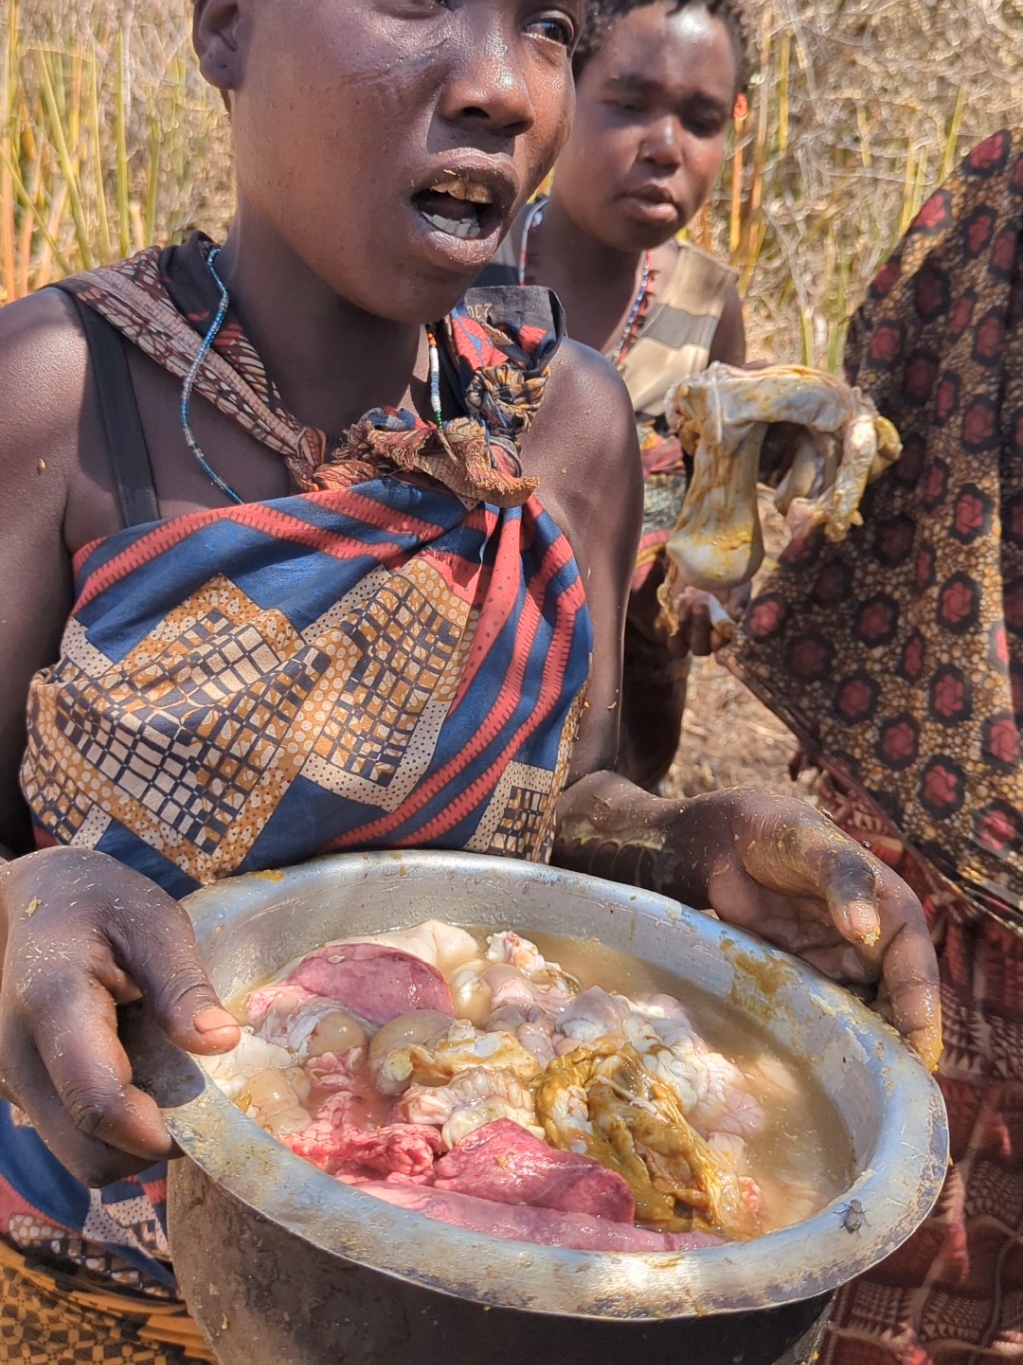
x,y
649,138
390,143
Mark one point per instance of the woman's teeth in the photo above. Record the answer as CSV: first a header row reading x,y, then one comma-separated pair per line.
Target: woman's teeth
x,y
457,227
463,189
464,193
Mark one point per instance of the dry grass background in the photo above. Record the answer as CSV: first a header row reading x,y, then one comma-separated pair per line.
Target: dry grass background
x,y
109,139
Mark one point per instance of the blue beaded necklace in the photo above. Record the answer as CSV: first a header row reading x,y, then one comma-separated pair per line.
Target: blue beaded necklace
x,y
207,346
190,378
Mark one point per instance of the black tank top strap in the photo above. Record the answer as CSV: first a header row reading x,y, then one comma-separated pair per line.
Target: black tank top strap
x,y
126,441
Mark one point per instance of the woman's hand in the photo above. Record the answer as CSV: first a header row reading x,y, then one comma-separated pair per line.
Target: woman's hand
x,y
774,866
771,865
85,934
706,621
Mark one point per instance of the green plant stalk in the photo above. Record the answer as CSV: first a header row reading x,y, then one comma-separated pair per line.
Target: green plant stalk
x,y
735,219
758,232
34,150
763,116
806,329
919,186
29,203
949,157
121,150
153,183
839,323
67,169
908,183
8,85
106,246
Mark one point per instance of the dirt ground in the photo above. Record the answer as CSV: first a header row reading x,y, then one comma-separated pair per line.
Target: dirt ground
x,y
729,738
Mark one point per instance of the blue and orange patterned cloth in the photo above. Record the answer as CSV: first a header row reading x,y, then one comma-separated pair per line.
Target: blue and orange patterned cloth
x,y
394,656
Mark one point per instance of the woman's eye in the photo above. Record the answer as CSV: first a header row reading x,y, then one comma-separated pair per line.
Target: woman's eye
x,y
704,127
555,27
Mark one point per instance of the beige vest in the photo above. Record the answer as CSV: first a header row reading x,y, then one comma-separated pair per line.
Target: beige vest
x,y
675,338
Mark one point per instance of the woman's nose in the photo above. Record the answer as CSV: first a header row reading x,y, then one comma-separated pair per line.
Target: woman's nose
x,y
487,87
662,144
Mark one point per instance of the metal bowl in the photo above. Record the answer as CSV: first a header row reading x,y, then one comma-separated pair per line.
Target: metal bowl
x,y
248,1218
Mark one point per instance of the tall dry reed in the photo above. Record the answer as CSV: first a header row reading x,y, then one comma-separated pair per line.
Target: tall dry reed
x,y
858,109
109,139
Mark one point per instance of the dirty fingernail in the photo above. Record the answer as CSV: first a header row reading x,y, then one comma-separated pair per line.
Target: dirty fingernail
x,y
212,1020
863,922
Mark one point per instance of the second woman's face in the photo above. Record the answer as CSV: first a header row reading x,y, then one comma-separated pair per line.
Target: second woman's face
x,y
389,143
650,133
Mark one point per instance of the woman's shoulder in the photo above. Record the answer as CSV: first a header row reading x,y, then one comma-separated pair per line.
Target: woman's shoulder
x,y
698,282
588,424
565,404
44,325
43,367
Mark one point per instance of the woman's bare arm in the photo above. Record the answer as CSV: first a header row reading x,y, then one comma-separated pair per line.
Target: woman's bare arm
x,y
42,369
105,933
729,344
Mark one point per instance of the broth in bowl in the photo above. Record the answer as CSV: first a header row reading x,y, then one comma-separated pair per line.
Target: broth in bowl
x,y
552,1090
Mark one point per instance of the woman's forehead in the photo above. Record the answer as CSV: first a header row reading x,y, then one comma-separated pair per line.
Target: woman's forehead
x,y
661,45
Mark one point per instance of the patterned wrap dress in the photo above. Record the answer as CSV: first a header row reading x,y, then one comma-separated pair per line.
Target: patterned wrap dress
x,y
396,655
897,658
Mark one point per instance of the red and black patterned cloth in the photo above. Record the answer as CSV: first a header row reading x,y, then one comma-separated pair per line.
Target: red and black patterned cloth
x,y
897,658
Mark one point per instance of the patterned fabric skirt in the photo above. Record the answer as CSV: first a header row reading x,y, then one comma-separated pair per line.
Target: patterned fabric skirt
x,y
50,1319
896,657
953,1294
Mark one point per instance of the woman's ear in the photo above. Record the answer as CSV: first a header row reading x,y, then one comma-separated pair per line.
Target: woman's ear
x,y
216,28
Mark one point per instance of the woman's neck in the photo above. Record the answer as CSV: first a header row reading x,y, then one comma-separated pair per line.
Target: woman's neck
x,y
596,283
581,257
330,361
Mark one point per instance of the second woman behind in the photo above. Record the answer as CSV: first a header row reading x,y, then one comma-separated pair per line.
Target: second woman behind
x,y
656,85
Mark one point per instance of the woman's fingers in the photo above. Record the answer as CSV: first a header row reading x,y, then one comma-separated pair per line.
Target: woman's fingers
x,y
24,1080
850,884
793,849
159,953
803,856
911,968
86,934
73,1021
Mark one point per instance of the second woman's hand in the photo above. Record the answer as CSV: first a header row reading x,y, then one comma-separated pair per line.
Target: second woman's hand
x,y
85,934
771,865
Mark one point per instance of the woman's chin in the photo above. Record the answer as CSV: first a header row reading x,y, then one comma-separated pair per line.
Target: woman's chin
x,y
432,273
414,299
624,229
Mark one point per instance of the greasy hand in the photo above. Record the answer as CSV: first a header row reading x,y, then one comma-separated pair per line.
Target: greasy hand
x,y
703,630
85,934
776,867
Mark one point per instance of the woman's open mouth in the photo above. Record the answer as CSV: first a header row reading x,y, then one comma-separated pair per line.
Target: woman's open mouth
x,y
459,206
